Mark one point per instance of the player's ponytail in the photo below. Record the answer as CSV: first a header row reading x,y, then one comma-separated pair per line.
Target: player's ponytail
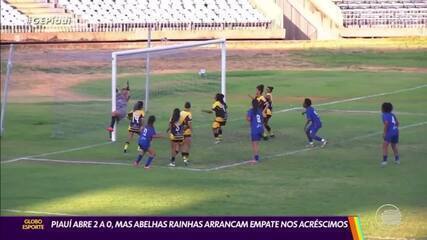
x,y
220,98
151,120
260,88
175,115
255,104
138,105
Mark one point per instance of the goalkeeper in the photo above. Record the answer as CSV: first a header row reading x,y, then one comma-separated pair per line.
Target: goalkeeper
x,y
122,99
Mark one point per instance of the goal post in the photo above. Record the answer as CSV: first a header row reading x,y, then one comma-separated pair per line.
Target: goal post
x,y
5,88
151,50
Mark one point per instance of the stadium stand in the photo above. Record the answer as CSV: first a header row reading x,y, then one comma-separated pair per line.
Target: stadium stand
x,y
384,13
198,19
125,15
165,11
12,17
332,19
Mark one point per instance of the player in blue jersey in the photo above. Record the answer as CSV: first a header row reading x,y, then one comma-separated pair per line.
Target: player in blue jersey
x,y
145,137
255,117
391,132
312,125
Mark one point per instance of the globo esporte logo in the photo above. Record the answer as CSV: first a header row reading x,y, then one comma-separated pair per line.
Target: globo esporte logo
x,y
33,224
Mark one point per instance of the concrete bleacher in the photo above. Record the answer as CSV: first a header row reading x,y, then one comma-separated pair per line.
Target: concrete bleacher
x,y
113,15
130,20
168,13
11,16
383,13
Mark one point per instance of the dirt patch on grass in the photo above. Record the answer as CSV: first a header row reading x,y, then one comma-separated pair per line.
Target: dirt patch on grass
x,y
52,73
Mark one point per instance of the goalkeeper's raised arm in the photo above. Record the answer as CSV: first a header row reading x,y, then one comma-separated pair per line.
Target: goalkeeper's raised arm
x,y
122,99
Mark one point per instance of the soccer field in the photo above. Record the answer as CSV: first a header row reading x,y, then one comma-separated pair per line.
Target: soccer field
x,y
70,168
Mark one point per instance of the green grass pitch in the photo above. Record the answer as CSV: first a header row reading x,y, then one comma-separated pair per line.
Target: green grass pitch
x,y
345,178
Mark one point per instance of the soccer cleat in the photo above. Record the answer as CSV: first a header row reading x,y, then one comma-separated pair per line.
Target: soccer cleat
x,y
136,164
397,162
172,164
324,142
310,145
186,162
265,137
217,141
125,148
383,163
147,167
272,135
110,129
253,161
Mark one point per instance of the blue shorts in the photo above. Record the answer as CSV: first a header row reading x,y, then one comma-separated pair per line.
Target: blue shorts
x,y
391,138
312,130
144,146
256,136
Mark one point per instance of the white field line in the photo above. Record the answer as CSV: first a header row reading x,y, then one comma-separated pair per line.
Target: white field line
x,y
345,141
358,98
343,100
57,152
36,212
369,112
288,153
280,111
76,162
388,238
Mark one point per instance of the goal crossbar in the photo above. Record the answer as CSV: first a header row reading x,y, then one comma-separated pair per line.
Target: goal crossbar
x,y
115,55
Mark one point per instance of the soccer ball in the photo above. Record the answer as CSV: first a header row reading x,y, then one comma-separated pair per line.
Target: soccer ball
x,y
202,72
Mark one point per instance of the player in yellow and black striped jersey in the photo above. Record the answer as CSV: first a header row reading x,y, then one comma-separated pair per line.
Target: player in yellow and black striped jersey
x,y
219,107
186,118
136,122
263,103
176,134
269,110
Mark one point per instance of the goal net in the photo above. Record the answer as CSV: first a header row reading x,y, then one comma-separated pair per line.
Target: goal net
x,y
60,100
197,79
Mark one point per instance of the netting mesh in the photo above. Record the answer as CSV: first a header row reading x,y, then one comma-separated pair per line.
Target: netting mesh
x,y
47,89
60,98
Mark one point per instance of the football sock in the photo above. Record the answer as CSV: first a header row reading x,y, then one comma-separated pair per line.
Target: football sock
x,y
113,121
256,157
148,162
172,159
126,146
139,158
396,158
385,158
268,128
317,138
310,139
